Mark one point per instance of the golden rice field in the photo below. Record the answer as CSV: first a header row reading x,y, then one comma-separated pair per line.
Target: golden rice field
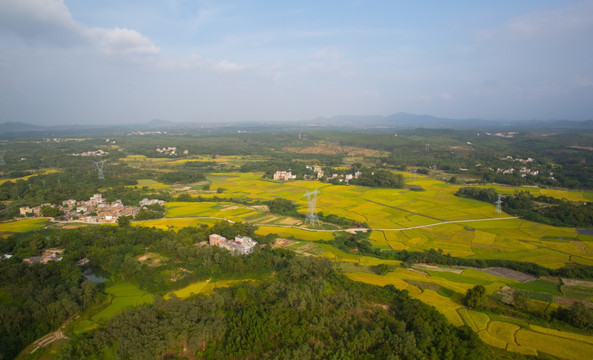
x,y
203,287
151,184
413,221
23,225
174,224
42,172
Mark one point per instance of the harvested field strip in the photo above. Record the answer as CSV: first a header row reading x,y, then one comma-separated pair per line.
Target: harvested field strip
x,y
554,345
522,349
503,330
444,305
563,334
189,290
476,320
383,280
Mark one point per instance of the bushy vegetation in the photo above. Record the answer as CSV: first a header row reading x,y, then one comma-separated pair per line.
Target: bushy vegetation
x,y
307,311
542,209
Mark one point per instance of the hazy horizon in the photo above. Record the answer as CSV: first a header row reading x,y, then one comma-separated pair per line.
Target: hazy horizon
x,y
123,62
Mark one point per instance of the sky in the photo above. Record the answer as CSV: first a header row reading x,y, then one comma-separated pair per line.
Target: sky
x,y
129,61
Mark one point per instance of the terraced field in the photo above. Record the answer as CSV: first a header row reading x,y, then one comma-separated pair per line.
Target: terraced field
x,y
506,333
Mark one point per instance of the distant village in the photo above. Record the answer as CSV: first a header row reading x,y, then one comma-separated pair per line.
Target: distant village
x,y
93,210
288,175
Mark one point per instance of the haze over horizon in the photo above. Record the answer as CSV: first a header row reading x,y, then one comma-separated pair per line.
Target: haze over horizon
x,y
113,62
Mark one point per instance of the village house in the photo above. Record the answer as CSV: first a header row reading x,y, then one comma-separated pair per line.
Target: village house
x,y
25,210
147,202
83,262
46,256
242,245
284,175
68,204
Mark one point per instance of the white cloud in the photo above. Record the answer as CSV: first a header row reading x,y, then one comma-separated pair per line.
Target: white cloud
x,y
125,41
41,22
49,22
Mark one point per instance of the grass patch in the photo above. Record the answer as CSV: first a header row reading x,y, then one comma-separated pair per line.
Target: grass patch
x,y
125,295
23,225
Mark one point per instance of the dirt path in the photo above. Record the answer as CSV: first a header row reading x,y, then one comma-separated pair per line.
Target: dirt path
x,y
51,337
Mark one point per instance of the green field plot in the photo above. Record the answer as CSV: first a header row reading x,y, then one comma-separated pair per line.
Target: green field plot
x,y
23,225
124,295
555,345
84,326
579,292
539,285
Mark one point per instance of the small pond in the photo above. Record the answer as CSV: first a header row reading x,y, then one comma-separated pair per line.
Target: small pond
x,y
95,274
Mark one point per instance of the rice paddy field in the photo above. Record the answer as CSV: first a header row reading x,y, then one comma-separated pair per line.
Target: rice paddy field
x,y
403,219
443,288
202,287
413,221
23,225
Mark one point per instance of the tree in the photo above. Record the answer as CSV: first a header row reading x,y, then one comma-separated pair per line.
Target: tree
x,y
124,221
475,296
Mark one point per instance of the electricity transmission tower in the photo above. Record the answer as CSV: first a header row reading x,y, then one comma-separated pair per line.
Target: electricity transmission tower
x,y
2,161
312,211
413,176
498,203
99,165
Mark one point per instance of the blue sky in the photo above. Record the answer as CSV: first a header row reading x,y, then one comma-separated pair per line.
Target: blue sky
x,y
64,62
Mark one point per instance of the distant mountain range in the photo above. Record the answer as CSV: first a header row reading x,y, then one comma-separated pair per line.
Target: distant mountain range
x,y
369,122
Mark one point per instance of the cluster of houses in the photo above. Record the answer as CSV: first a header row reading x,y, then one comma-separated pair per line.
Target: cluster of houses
x,y
94,210
522,161
288,175
46,256
92,153
345,177
157,132
171,150
241,245
523,171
